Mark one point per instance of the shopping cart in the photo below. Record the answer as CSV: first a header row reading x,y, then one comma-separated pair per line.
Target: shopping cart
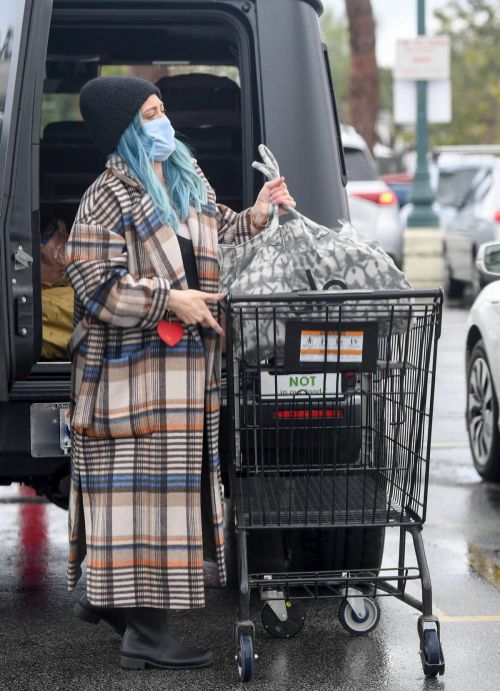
x,y
330,400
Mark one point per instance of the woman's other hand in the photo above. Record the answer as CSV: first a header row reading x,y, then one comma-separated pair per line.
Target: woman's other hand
x,y
190,307
276,192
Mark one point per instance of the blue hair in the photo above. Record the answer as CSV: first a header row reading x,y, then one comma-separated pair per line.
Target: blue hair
x,y
184,185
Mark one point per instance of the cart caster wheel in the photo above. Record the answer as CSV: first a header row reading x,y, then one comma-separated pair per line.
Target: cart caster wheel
x,y
284,629
245,656
431,653
360,626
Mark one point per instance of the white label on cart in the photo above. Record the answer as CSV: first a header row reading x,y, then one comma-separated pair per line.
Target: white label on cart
x,y
342,346
300,385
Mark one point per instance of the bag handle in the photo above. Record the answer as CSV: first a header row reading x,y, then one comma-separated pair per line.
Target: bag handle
x,y
270,169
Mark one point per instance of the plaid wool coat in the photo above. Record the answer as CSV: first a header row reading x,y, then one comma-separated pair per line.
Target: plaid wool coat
x,y
139,408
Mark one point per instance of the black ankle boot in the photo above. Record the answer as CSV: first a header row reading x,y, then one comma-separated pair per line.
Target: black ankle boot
x,y
114,616
147,642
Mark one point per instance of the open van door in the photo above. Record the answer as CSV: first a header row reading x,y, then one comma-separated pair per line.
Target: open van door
x,y
24,30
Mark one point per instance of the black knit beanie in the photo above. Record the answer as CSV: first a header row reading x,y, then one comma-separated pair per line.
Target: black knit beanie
x,y
109,104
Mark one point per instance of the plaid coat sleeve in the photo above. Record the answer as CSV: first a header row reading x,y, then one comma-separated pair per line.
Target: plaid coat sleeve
x,y
97,267
232,226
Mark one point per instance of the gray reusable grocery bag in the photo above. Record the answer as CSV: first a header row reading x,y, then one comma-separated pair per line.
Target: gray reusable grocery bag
x,y
301,255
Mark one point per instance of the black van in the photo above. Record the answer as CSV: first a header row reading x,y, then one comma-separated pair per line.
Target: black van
x,y
233,74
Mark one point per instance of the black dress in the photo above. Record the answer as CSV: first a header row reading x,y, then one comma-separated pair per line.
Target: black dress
x,y
189,261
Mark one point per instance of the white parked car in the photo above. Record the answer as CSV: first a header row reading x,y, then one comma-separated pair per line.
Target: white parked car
x,y
483,367
477,221
373,205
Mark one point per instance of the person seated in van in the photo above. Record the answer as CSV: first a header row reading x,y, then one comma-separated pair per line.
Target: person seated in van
x,y
57,296
52,252
142,258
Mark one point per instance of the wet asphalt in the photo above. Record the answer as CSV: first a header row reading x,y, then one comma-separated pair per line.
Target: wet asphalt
x,y
42,646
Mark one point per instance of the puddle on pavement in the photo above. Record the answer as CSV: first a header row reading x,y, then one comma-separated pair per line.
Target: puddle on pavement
x,y
486,563
24,547
492,493
32,554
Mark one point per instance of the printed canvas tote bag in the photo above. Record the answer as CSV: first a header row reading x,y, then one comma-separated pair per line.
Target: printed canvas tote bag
x,y
301,255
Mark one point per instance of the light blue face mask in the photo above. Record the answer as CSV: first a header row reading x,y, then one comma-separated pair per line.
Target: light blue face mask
x,y
162,132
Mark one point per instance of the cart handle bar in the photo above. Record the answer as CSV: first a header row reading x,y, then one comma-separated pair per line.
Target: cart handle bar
x,y
337,296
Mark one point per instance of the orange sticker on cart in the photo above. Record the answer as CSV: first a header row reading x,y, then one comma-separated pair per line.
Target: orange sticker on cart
x,y
332,346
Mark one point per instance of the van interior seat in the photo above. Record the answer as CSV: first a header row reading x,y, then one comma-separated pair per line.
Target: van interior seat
x,y
69,163
205,111
67,149
65,131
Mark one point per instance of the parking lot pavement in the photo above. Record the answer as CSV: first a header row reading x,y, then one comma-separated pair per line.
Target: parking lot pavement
x,y
43,647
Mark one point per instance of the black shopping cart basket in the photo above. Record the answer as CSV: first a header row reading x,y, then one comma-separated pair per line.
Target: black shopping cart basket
x,y
330,400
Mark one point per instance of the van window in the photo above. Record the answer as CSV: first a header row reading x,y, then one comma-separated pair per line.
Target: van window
x,y
65,106
57,107
8,19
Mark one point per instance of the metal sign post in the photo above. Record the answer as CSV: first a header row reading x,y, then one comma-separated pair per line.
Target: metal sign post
x,y
422,215
423,68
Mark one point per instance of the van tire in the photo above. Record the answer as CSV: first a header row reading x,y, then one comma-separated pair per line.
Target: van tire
x,y
57,489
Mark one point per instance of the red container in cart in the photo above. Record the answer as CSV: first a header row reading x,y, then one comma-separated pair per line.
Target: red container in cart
x,y
330,401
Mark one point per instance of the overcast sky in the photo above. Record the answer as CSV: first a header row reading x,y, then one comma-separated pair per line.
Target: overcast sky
x,y
395,19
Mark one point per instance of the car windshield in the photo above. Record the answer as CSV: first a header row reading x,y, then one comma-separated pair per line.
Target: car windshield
x,y
454,184
359,165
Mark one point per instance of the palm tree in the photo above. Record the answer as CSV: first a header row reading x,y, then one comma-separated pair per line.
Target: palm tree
x,y
363,83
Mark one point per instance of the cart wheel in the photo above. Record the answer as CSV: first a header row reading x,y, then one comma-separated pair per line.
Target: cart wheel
x,y
284,629
245,656
431,652
356,625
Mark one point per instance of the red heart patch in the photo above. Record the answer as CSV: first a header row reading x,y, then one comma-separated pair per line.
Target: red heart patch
x,y
170,332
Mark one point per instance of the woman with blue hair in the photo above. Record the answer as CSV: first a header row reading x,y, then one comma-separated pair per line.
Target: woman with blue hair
x,y
146,504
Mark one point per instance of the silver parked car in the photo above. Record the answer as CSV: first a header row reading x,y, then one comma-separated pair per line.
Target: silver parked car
x,y
373,205
451,171
477,221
